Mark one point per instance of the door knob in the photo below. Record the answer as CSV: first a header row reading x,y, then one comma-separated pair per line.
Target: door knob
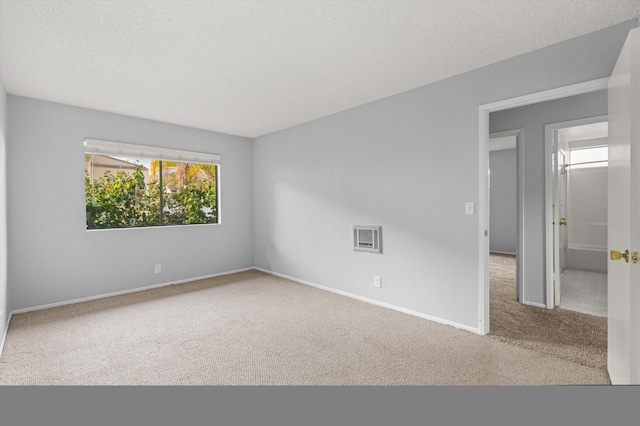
x,y
616,255
563,221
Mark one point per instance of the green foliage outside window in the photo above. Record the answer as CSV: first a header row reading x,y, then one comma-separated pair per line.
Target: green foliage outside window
x,y
125,200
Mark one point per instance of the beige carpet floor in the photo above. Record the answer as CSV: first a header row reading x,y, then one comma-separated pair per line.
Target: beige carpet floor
x,y
570,335
252,328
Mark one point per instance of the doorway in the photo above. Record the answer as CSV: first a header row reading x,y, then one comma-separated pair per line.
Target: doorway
x,y
579,164
504,212
483,201
521,314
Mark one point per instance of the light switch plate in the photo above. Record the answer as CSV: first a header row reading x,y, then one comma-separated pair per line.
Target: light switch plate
x,y
469,207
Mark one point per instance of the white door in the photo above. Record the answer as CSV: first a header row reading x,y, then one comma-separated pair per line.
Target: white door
x,y
563,154
624,215
560,234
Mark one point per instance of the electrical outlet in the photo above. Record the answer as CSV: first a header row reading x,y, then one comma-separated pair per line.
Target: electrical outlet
x,y
158,269
377,282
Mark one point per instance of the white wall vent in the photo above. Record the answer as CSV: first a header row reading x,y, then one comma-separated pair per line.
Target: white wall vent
x,y
367,238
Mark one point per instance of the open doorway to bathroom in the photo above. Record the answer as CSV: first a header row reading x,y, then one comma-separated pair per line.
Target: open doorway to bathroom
x,y
580,217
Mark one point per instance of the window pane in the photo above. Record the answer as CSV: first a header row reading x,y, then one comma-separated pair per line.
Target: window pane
x,y
589,156
189,192
125,192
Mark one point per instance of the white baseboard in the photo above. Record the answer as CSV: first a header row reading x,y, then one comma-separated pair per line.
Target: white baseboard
x,y
321,287
375,302
102,296
119,293
5,331
501,252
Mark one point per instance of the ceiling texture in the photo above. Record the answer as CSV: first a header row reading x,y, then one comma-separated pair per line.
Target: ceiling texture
x,y
250,68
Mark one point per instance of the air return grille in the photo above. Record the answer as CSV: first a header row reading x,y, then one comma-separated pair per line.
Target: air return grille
x,y
367,238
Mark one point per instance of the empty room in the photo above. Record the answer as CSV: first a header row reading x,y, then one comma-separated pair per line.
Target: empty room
x,y
298,193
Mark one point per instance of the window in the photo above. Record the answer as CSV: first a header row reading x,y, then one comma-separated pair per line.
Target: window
x,y
131,186
589,157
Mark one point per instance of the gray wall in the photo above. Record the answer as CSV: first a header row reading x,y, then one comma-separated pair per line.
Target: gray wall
x,y
4,311
52,257
408,162
532,119
503,236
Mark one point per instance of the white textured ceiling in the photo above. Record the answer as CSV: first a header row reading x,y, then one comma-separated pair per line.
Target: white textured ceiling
x,y
253,67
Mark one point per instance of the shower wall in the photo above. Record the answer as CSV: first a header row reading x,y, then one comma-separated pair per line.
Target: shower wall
x,y
587,219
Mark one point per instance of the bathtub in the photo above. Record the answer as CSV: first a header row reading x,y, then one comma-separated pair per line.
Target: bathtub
x,y
587,258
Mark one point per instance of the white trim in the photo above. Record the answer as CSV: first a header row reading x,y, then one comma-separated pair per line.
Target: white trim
x,y
548,95
372,301
521,246
590,247
502,252
506,133
4,335
122,292
190,225
483,222
321,287
483,138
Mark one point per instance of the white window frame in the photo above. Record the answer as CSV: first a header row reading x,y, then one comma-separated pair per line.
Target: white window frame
x,y
124,149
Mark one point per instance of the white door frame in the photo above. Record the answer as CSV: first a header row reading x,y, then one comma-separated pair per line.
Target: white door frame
x,y
549,130
483,190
